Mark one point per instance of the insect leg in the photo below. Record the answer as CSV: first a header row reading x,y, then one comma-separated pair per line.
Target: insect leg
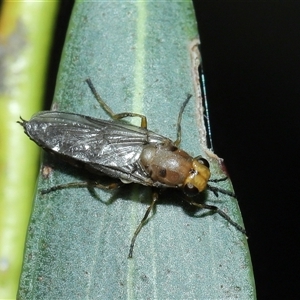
x,y
218,180
220,212
109,111
99,99
127,114
142,223
178,140
82,184
215,190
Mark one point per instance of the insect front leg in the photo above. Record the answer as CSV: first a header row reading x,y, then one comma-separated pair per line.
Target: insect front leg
x,y
178,140
218,211
128,114
109,111
142,223
82,184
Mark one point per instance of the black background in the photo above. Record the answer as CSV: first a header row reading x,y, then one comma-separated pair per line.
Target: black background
x,y
251,59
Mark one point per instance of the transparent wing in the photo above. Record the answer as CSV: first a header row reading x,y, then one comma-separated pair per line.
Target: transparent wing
x,y
109,147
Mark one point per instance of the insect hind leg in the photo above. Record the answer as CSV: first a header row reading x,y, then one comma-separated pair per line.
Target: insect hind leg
x,y
82,184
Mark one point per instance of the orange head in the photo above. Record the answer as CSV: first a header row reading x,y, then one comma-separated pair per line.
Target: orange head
x,y
196,182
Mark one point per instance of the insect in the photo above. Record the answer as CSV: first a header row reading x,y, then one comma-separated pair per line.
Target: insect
x,y
132,154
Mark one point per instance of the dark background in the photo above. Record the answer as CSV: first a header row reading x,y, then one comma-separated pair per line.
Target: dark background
x,y
251,59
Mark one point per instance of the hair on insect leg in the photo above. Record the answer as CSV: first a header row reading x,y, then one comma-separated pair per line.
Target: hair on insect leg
x,y
143,222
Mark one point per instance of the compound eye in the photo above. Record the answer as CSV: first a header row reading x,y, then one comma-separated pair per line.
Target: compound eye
x,y
203,161
190,190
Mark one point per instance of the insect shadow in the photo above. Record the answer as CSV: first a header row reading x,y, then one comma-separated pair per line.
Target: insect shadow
x,y
79,174
169,197
125,153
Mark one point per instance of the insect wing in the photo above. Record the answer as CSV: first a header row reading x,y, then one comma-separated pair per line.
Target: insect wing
x,y
108,147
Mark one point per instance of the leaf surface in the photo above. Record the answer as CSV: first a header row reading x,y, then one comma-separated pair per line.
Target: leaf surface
x,y
139,56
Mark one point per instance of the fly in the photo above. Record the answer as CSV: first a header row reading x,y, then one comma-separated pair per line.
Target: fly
x,y
132,154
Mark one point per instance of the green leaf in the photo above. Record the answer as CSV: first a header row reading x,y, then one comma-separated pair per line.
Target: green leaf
x,y
142,57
